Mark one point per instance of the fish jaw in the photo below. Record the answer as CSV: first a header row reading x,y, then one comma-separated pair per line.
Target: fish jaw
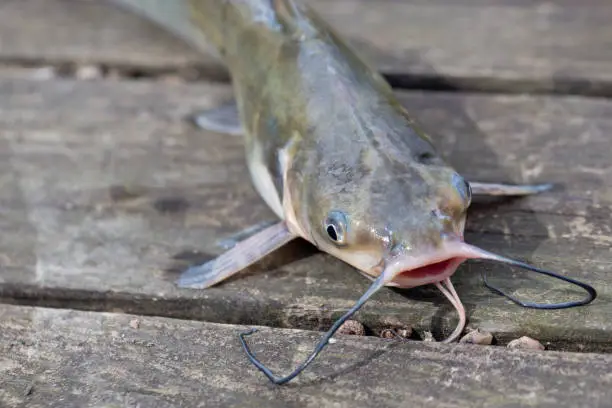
x,y
409,271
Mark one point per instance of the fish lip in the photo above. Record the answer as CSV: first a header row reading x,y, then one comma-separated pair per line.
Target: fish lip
x,y
398,268
403,279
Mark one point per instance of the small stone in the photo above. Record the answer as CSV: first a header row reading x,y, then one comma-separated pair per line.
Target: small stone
x,y
428,337
134,323
88,72
525,343
477,336
393,327
352,327
403,333
387,334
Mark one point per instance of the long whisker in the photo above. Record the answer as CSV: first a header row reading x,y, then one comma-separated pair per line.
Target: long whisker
x,y
453,297
488,256
374,287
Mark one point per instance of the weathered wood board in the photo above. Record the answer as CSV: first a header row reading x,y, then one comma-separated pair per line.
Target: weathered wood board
x,y
75,359
108,191
555,45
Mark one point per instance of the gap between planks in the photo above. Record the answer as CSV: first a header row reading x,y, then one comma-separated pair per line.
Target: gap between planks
x,y
42,69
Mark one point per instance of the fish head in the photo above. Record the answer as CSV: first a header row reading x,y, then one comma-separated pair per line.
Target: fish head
x,y
405,220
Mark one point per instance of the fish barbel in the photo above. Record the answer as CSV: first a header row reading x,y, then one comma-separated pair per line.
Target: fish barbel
x,y
332,152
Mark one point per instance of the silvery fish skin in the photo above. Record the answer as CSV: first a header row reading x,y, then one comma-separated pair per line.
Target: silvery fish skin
x,y
330,150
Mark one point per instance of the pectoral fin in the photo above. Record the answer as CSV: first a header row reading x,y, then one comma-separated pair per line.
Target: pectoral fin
x,y
222,119
242,255
498,189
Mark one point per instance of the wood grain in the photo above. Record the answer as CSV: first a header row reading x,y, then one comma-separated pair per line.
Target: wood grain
x,y
523,46
108,192
75,359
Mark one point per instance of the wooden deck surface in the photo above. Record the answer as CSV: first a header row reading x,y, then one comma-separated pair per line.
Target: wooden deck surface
x,y
513,46
108,191
118,360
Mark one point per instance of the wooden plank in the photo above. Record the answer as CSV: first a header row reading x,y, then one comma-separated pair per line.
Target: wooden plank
x,y
76,359
513,46
111,192
85,31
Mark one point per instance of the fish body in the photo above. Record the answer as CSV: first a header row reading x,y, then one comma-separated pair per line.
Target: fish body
x,y
327,142
330,150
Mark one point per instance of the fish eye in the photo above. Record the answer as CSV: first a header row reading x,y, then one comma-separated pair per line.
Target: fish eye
x,y
332,231
335,227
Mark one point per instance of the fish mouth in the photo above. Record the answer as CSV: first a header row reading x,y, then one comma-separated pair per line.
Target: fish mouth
x,y
426,274
412,271
406,271
411,276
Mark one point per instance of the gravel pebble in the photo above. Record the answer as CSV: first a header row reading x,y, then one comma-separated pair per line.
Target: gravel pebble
x,y
526,343
477,336
134,323
352,327
88,72
428,337
403,333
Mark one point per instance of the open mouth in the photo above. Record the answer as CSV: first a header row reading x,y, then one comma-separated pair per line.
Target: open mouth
x,y
438,272
428,273
434,269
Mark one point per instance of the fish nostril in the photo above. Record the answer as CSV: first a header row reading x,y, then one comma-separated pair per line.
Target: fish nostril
x,y
462,187
469,191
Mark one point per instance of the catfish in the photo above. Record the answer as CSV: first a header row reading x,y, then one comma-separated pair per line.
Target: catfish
x,y
333,153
